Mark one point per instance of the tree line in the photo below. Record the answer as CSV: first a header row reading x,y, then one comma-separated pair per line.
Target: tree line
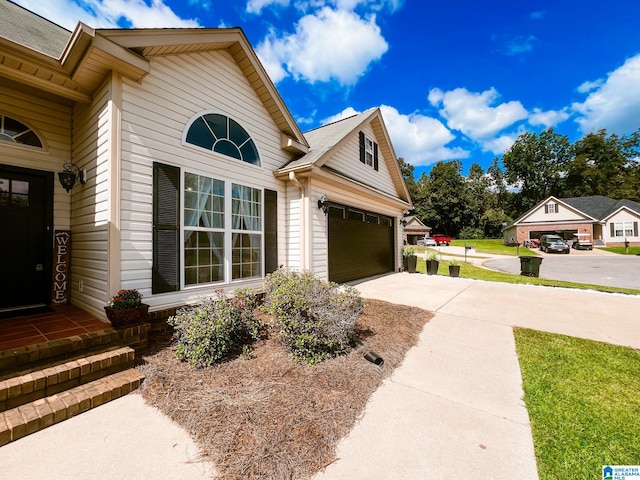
x,y
534,168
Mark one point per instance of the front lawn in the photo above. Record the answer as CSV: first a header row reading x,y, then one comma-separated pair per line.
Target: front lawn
x,y
583,399
494,246
622,250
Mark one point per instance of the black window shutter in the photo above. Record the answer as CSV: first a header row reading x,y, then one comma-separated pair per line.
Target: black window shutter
x,y
270,231
546,208
166,228
613,229
362,157
635,229
557,206
375,156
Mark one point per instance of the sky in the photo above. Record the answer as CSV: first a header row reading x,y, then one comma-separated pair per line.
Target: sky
x,y
454,79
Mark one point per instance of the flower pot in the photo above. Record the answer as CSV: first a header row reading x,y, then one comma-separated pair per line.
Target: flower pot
x,y
127,316
410,262
454,270
432,267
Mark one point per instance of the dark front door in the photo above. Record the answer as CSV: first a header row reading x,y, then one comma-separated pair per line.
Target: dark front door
x,y
26,213
360,244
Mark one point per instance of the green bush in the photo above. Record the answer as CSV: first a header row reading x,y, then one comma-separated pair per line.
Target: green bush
x,y
471,233
216,328
314,319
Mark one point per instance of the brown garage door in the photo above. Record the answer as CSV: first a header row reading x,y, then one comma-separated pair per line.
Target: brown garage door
x,y
360,244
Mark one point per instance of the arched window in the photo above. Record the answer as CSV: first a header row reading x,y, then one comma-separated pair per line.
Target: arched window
x,y
223,135
11,130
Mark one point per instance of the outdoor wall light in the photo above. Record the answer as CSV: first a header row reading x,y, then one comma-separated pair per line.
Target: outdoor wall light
x,y
323,204
70,173
405,214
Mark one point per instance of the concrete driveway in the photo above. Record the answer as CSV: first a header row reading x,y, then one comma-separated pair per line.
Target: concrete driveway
x,y
581,266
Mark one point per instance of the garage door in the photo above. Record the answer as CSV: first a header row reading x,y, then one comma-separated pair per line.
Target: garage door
x,y
361,244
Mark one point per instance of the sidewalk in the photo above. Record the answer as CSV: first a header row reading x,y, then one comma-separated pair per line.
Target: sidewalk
x,y
453,409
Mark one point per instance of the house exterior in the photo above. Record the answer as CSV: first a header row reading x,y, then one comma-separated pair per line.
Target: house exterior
x,y
414,230
605,221
191,173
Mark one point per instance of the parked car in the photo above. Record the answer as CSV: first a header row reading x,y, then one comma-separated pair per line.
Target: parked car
x,y
441,239
581,241
426,242
553,243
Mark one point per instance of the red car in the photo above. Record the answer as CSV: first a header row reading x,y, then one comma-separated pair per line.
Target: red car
x,y
441,239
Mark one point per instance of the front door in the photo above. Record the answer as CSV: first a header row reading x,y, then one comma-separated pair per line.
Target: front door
x,y
26,213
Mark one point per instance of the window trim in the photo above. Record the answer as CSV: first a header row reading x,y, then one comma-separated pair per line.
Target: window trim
x,y
228,158
227,230
364,151
623,224
14,143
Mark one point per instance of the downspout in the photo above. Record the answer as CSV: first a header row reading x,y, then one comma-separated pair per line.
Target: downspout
x,y
304,264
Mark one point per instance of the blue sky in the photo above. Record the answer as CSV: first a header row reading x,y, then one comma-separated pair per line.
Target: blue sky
x,y
455,80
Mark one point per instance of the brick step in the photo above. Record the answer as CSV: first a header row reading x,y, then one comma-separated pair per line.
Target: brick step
x,y
32,357
44,412
56,378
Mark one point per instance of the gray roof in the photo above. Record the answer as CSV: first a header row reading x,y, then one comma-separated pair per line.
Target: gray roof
x,y
322,139
31,30
600,207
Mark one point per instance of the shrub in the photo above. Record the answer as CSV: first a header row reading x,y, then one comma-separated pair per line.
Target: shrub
x,y
472,233
215,328
314,319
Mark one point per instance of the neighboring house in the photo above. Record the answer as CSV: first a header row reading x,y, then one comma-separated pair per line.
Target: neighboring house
x,y
606,221
414,230
196,175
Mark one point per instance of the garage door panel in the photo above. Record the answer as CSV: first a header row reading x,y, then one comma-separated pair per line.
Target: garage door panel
x,y
358,249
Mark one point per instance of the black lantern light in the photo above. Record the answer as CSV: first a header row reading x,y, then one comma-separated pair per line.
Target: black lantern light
x,y
323,204
70,173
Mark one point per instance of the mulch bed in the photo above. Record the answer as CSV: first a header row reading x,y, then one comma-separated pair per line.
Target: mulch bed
x,y
266,417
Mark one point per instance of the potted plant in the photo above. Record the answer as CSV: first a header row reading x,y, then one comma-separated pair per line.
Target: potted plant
x,y
409,259
454,268
432,263
126,308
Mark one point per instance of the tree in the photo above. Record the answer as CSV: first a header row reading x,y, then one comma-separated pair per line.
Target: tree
x,y
536,165
407,173
603,165
443,198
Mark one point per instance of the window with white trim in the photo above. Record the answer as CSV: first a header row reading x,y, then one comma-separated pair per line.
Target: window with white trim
x,y
222,135
14,131
368,151
551,208
623,229
208,230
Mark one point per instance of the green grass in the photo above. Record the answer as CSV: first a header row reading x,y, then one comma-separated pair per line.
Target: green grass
x,y
468,270
622,250
494,246
583,399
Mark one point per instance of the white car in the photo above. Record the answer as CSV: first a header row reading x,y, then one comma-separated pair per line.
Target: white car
x,y
427,242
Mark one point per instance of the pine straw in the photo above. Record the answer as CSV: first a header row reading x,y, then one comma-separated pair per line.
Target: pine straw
x,y
266,417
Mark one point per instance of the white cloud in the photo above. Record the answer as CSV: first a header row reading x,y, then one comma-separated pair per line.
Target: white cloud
x,y
473,114
586,87
329,45
256,6
369,5
346,113
500,144
549,118
514,44
108,13
615,104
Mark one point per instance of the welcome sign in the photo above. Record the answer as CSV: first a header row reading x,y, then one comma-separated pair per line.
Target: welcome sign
x,y
61,258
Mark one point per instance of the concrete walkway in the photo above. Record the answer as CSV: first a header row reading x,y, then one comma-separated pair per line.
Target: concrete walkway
x,y
452,410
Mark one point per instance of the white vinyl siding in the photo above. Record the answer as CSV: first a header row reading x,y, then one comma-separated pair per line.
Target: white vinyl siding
x,y
52,123
154,117
544,213
347,161
90,219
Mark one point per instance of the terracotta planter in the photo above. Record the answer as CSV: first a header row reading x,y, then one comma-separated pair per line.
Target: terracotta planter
x,y
127,316
454,270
